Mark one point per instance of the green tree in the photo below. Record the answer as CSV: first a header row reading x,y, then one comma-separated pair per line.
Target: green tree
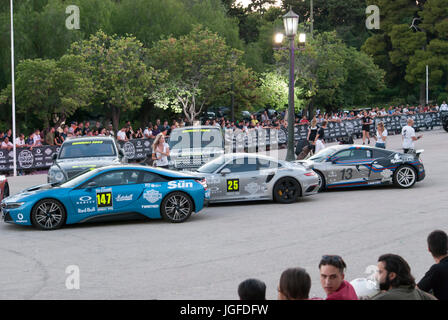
x,y
51,90
199,68
120,76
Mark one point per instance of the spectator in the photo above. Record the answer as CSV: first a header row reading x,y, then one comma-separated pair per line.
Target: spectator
x,y
50,136
155,130
9,134
408,136
319,141
110,130
160,151
86,128
331,268
37,139
121,135
64,133
435,280
304,120
58,140
20,141
81,128
138,134
6,144
312,133
396,280
98,126
252,289
295,284
443,106
148,132
366,121
381,136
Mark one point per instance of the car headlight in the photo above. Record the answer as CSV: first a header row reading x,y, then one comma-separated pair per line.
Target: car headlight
x,y
56,175
12,205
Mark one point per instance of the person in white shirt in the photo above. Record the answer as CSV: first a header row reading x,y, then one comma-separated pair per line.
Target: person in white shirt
x,y
148,133
443,106
381,135
121,135
6,144
20,141
160,151
408,136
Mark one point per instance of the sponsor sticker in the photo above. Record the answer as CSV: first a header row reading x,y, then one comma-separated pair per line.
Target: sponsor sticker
x,y
150,206
20,218
180,184
152,196
87,142
87,210
121,197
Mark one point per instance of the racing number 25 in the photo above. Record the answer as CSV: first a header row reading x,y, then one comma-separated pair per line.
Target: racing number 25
x,y
104,199
233,185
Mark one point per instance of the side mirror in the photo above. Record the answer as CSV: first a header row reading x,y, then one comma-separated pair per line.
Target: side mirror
x,y
92,184
225,171
120,152
55,156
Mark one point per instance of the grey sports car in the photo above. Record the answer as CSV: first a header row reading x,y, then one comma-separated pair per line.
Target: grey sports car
x,y
345,166
245,177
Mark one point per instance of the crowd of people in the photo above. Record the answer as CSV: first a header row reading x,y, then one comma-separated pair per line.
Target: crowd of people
x,y
272,120
393,280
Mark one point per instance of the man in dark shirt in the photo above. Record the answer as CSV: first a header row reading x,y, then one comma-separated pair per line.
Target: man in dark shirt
x,y
435,280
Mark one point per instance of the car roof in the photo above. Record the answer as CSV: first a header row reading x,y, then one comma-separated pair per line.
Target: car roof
x,y
228,156
165,172
92,138
196,127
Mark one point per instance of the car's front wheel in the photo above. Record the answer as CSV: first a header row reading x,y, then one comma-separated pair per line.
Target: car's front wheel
x,y
48,214
405,176
286,190
176,207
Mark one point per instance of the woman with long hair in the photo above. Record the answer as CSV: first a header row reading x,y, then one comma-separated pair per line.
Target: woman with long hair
x,y
160,151
381,136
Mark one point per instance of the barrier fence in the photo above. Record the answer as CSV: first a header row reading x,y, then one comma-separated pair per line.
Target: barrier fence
x,y
41,158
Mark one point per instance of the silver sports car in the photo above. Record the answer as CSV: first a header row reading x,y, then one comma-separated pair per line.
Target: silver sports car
x,y
244,177
345,166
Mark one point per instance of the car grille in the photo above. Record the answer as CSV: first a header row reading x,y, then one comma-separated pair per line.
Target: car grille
x,y
72,173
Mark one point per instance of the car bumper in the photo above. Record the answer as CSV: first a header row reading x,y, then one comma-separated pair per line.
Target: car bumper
x,y
310,185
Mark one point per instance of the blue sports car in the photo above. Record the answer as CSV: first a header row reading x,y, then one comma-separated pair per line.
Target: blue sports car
x,y
108,193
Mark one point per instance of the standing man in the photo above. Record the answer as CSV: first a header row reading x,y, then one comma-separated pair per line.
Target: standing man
x,y
396,281
331,268
435,280
444,106
319,141
408,136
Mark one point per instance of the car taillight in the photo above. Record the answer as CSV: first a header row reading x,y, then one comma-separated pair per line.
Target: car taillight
x,y
203,182
310,174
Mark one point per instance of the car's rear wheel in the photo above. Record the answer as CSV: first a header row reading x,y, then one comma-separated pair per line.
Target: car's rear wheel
x,y
322,183
405,176
48,214
176,207
286,190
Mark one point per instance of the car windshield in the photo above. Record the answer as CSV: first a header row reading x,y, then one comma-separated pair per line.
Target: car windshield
x,y
196,138
76,180
212,166
88,148
323,154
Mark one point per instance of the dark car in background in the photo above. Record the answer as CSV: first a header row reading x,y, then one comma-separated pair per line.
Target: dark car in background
x,y
78,155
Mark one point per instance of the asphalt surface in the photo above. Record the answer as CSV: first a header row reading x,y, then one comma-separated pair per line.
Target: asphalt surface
x,y
209,255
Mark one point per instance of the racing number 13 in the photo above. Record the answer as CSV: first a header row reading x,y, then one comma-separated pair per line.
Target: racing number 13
x,y
347,174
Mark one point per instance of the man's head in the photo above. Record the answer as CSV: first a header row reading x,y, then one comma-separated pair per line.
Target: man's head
x,y
252,289
331,269
324,124
438,243
295,284
410,122
394,271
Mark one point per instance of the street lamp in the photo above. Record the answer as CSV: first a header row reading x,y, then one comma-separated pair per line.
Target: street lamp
x,y
291,21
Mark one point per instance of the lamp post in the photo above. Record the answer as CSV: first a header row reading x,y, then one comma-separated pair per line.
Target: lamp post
x,y
291,21
13,93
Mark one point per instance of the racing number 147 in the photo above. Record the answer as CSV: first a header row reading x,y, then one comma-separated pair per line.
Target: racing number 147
x,y
103,199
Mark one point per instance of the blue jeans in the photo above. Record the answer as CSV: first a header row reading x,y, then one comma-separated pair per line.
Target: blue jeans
x,y
380,145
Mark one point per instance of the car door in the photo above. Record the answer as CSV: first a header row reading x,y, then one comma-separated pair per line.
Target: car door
x,y
351,167
154,187
109,192
236,184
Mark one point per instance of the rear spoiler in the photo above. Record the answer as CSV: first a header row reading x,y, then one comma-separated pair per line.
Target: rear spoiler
x,y
418,152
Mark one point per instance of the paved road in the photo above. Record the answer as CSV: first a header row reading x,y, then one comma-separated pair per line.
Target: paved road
x,y
208,256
